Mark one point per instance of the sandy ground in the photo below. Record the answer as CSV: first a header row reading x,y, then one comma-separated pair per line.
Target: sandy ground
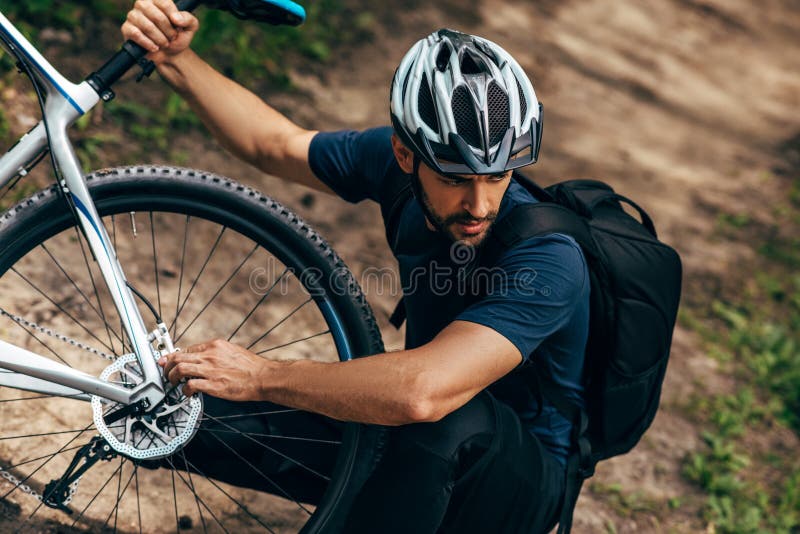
x,y
679,104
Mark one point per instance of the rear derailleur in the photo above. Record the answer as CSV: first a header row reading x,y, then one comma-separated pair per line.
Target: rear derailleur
x,y
58,493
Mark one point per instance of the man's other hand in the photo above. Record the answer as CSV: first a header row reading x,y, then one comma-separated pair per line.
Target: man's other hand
x,y
158,27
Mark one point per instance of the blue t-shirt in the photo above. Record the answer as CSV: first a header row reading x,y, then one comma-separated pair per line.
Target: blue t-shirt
x,y
538,295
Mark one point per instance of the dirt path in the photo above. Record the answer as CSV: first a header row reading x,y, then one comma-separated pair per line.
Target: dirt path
x,y
679,104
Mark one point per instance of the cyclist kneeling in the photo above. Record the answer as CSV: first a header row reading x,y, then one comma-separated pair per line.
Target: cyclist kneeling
x,y
473,447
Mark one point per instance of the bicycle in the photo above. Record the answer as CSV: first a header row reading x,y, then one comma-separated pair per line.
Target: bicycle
x,y
61,256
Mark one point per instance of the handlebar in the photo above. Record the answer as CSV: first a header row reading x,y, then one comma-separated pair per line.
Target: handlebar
x,y
129,55
269,11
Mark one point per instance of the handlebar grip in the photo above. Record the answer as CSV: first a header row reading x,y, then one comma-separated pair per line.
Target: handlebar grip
x,y
128,56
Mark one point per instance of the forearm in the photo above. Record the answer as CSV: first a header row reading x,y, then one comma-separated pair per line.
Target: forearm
x,y
412,386
241,121
384,389
232,113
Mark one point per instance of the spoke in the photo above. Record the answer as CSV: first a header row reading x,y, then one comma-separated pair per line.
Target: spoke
x,y
114,239
180,278
67,444
41,457
121,325
259,472
175,501
119,496
217,292
197,278
279,453
271,412
276,325
155,260
100,314
45,434
194,492
138,503
61,308
293,342
110,478
115,510
41,503
78,236
228,495
45,345
260,301
200,499
276,436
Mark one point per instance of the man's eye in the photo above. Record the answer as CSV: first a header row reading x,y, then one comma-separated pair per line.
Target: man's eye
x,y
454,181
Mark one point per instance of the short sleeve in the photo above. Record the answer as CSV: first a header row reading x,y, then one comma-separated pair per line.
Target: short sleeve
x,y
353,163
533,291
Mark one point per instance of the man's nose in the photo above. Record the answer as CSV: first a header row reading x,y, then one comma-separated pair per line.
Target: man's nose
x,y
476,201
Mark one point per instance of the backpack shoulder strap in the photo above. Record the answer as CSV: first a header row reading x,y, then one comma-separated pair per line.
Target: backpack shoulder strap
x,y
534,220
395,191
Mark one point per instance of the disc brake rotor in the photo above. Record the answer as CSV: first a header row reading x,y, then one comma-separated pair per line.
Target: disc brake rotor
x,y
158,433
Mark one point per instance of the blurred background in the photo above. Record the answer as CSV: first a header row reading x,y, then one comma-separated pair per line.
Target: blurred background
x,y
690,107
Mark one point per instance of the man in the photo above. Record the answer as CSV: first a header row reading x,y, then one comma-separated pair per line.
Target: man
x,y
472,448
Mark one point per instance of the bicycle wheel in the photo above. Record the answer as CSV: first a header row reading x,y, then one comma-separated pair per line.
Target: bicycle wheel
x,y
217,260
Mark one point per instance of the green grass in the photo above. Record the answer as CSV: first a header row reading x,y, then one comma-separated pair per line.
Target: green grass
x,y
153,128
627,504
248,51
754,332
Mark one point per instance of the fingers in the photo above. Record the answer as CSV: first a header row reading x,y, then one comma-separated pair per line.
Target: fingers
x,y
179,19
154,24
168,7
185,20
159,19
131,32
184,370
198,385
200,347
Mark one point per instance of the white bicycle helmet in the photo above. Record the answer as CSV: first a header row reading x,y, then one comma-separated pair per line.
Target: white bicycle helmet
x,y
465,106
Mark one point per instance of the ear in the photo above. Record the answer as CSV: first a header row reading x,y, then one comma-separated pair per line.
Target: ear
x,y
404,156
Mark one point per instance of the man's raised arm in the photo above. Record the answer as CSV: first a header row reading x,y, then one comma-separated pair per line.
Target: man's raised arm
x,y
241,121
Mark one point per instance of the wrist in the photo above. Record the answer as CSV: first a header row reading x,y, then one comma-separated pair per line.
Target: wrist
x,y
175,68
271,376
276,378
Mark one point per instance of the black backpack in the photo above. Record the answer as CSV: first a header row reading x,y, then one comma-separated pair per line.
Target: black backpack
x,y
635,290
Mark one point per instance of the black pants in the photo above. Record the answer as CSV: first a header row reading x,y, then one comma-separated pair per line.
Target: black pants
x,y
477,470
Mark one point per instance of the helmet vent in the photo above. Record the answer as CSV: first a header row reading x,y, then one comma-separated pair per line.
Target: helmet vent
x,y
523,104
499,116
465,116
425,105
471,64
443,57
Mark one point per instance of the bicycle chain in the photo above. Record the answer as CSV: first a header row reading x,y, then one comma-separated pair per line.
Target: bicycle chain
x,y
17,483
19,320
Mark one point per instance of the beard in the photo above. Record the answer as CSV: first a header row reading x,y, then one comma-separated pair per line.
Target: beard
x,y
446,224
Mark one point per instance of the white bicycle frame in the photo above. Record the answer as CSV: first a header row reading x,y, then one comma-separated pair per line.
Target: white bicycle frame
x,y
23,369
